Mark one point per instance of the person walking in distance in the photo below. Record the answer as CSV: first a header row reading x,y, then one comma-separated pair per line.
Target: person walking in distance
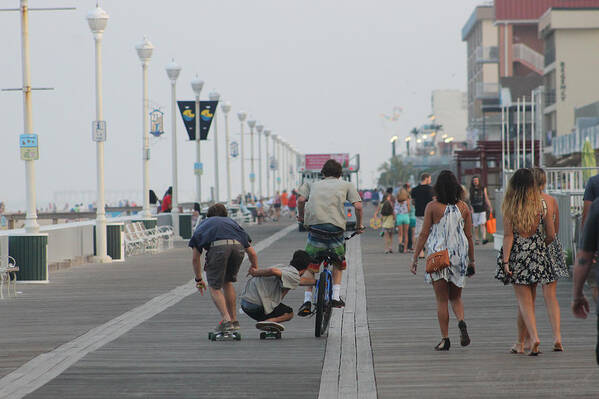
x,y
226,244
479,199
448,227
421,195
402,219
589,246
386,211
277,206
292,203
523,262
321,208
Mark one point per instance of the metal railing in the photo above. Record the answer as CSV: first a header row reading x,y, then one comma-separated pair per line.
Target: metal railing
x,y
549,97
529,56
564,180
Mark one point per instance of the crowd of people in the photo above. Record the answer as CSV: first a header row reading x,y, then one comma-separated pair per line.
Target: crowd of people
x,y
438,222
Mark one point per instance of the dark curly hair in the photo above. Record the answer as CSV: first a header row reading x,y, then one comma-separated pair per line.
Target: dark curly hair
x,y
447,189
217,210
332,168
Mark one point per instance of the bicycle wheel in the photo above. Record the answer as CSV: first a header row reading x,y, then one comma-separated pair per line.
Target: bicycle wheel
x,y
321,288
328,305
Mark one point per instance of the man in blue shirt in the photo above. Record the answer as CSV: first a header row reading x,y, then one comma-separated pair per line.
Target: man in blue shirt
x,y
589,244
226,244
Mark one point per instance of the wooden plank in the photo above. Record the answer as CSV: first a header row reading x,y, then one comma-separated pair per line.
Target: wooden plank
x,y
45,367
348,384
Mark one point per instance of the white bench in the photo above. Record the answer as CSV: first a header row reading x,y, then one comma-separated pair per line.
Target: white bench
x,y
8,268
138,239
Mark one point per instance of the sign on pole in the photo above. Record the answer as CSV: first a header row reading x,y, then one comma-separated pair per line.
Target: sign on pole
x,y
252,177
29,147
157,123
99,131
198,168
207,110
234,149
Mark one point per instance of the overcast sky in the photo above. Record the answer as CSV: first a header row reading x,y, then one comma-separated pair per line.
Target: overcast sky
x,y
319,73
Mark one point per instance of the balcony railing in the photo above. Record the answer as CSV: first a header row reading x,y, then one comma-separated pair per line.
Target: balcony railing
x,y
487,90
529,57
487,54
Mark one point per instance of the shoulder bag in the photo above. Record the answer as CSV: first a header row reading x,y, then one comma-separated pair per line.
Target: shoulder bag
x,y
437,261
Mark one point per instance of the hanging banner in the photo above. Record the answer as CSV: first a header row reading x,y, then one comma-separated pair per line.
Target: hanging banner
x,y
207,110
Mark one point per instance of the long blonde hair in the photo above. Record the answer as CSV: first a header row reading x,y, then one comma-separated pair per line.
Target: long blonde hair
x,y
522,201
402,195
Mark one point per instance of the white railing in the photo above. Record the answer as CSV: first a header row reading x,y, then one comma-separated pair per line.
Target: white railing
x,y
529,56
572,143
564,180
487,54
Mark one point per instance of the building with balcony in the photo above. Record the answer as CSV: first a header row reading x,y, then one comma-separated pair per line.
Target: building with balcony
x,y
480,35
570,66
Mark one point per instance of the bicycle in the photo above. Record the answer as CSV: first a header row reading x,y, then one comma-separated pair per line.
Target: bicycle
x,y
323,293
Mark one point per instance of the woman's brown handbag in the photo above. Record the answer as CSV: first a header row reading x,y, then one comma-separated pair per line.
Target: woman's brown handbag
x,y
437,261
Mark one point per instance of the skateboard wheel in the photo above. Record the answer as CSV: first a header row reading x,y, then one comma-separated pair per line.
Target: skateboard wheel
x,y
210,336
262,335
237,337
279,335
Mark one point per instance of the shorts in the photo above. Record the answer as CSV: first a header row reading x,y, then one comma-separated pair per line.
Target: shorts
x,y
592,277
318,243
479,218
292,209
401,219
222,264
413,222
277,206
256,312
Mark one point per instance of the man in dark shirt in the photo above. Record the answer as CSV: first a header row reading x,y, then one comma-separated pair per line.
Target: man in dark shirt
x,y
588,248
421,195
591,192
225,242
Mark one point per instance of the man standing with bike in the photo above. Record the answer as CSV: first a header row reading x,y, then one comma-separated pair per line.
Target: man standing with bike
x,y
321,207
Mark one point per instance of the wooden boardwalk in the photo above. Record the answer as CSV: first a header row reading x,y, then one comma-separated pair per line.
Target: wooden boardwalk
x,y
381,343
403,327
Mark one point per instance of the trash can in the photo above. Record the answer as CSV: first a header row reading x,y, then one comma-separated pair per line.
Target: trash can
x,y
115,241
31,254
185,227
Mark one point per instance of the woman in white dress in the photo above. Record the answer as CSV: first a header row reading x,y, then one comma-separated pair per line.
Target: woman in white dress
x,y
448,225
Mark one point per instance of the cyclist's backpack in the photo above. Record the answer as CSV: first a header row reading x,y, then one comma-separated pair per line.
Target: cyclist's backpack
x,y
387,209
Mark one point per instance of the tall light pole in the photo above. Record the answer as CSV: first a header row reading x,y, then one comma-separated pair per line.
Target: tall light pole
x,y
242,115
144,52
266,135
172,71
97,20
275,149
226,107
252,124
215,96
196,85
259,129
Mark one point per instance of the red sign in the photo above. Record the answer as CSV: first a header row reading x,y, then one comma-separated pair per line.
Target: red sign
x,y
317,161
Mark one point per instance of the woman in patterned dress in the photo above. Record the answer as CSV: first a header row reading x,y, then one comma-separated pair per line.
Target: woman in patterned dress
x,y
523,260
448,225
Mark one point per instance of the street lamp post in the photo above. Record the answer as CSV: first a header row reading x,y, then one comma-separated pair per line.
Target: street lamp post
x,y
196,85
172,71
266,135
97,20
275,156
284,168
226,107
144,52
252,124
408,145
393,140
215,96
259,129
242,115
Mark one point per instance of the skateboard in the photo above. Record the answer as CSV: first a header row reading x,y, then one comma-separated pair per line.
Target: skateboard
x,y
224,336
270,330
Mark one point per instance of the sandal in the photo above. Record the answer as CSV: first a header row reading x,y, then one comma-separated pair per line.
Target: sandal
x,y
558,347
517,349
444,345
534,351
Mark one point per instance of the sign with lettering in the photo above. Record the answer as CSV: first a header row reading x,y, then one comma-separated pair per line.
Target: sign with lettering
x,y
29,147
99,131
198,168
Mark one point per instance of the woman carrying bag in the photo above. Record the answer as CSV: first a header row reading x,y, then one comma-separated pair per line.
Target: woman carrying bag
x,y
447,232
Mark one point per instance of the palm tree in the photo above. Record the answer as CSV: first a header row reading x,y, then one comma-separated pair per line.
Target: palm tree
x,y
395,171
